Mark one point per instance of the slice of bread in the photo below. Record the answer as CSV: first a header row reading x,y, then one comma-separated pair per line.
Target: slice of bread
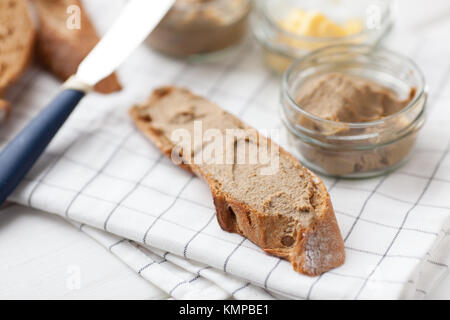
x,y
60,48
4,110
17,36
286,210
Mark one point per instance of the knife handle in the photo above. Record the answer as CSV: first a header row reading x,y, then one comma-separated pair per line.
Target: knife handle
x,y
18,157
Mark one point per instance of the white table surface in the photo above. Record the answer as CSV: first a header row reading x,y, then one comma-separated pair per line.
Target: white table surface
x,y
45,268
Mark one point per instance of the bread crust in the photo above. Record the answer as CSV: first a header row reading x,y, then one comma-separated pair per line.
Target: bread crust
x,y
23,35
4,110
318,247
61,49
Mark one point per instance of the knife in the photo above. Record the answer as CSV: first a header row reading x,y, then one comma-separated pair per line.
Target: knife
x,y
137,20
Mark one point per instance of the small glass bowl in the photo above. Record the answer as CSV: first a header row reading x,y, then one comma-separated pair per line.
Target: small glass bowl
x,y
354,150
282,47
195,28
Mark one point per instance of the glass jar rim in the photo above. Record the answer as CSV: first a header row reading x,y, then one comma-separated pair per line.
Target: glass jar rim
x,y
386,19
420,92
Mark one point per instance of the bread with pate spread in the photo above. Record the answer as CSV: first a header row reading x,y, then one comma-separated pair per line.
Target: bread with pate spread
x,y
286,212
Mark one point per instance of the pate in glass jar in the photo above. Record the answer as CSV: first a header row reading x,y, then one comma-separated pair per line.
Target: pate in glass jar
x,y
353,111
194,28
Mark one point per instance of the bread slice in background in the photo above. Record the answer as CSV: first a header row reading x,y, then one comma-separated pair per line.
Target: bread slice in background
x,y
61,49
288,213
17,35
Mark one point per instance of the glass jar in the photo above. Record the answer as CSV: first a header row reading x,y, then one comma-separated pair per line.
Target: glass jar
x,y
198,27
354,150
281,46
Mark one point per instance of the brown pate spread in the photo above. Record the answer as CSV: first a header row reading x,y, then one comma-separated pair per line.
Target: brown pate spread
x,y
201,26
290,194
345,98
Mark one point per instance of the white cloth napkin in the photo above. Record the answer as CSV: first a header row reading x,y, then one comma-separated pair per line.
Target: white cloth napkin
x,y
179,277
435,266
101,172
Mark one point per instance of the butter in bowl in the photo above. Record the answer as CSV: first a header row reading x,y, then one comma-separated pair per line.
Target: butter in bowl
x,y
290,29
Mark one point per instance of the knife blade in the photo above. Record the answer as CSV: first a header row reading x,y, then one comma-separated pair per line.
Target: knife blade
x,y
137,20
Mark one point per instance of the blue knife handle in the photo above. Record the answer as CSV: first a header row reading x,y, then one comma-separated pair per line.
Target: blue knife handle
x,y
18,157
